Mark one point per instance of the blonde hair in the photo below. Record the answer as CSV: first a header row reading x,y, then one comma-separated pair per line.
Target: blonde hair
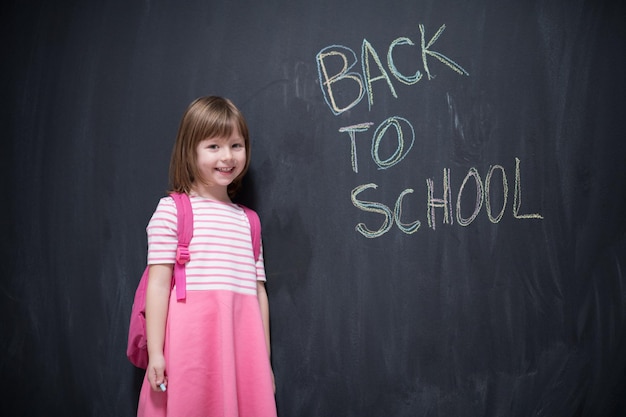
x,y
206,117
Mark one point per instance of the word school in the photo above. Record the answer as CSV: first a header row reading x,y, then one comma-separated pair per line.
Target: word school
x,y
450,209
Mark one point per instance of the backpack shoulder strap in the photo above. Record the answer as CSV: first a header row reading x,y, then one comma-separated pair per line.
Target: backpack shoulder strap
x,y
185,233
255,230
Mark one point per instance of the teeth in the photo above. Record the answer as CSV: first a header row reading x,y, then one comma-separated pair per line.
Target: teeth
x,y
224,169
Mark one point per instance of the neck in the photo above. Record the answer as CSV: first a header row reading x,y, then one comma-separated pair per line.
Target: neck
x,y
213,193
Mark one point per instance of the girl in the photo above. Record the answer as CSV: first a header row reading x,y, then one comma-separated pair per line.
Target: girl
x,y
208,354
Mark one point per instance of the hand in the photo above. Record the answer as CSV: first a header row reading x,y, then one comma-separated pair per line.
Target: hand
x,y
156,372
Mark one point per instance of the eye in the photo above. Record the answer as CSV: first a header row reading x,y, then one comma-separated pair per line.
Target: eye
x,y
238,145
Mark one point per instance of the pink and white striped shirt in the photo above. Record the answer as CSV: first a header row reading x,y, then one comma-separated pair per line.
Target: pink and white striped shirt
x,y
221,248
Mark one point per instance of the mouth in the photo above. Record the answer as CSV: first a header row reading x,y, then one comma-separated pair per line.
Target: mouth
x,y
225,170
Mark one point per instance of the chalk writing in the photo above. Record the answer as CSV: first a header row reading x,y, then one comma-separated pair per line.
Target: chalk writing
x,y
399,153
444,59
362,127
444,203
380,208
517,197
345,81
344,87
405,79
480,196
408,228
505,191
432,203
327,82
372,207
368,50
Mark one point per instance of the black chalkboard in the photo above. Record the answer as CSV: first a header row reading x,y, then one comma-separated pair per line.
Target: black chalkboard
x,y
441,186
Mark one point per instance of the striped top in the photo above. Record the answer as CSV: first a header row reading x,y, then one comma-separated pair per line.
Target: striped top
x,y
221,247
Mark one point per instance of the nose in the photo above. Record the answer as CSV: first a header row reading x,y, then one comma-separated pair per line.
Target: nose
x,y
227,154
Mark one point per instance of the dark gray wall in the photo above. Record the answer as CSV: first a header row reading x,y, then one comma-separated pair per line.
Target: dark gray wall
x,y
481,315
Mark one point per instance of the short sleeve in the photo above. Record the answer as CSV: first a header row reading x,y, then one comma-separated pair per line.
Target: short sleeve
x,y
260,266
162,233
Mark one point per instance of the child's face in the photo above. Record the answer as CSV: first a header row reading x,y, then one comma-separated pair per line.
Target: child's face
x,y
220,160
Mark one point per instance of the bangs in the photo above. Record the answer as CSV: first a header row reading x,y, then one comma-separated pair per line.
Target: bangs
x,y
223,127
213,124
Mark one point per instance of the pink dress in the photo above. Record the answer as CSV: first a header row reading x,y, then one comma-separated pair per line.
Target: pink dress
x,y
217,362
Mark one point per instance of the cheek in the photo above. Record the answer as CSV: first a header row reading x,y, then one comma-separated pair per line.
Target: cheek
x,y
243,164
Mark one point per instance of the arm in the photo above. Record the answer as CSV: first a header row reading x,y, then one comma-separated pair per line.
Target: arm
x,y
265,316
265,313
157,300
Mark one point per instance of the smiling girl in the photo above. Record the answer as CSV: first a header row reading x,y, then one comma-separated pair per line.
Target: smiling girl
x,y
209,355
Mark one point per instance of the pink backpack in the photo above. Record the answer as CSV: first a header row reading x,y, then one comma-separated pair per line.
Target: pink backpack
x,y
137,349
